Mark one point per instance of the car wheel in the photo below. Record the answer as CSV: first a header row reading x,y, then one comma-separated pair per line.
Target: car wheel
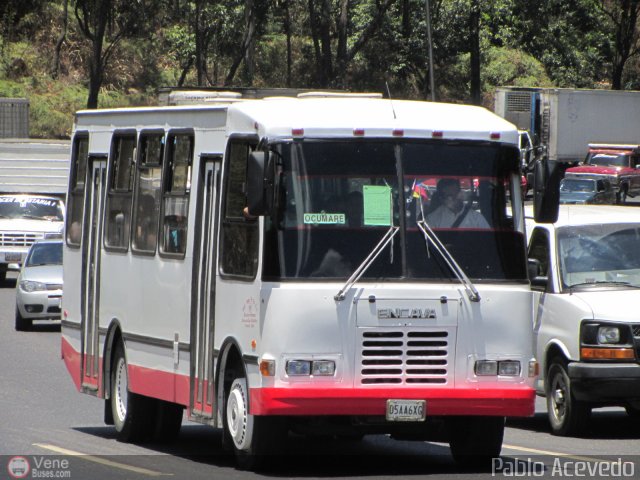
x,y
256,440
22,324
567,415
132,413
475,441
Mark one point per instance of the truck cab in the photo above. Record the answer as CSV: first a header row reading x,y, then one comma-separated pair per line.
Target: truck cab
x,y
620,164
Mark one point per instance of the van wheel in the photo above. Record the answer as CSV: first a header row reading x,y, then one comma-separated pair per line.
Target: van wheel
x,y
22,324
132,413
567,415
475,441
255,439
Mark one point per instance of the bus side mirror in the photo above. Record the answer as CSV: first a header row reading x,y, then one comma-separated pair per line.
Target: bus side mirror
x,y
259,183
546,190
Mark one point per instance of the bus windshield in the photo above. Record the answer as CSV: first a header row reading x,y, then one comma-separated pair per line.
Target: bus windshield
x,y
35,208
337,199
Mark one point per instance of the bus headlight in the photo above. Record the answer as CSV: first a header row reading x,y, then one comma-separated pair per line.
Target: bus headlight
x,y
508,368
323,367
298,368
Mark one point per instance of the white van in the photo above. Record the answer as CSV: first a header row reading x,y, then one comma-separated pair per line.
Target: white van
x,y
585,269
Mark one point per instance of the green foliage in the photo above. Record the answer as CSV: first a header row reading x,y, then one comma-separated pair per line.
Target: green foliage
x,y
567,43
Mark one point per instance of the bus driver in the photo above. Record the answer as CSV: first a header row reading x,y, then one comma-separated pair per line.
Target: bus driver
x,y
453,212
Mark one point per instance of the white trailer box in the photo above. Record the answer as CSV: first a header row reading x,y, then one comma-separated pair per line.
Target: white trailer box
x,y
566,120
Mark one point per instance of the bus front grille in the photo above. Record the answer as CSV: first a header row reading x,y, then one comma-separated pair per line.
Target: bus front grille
x,y
19,239
404,357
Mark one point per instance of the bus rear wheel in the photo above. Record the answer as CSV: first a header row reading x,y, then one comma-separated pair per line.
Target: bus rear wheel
x,y
131,412
255,440
475,441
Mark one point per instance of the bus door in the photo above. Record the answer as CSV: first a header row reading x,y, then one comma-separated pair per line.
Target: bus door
x,y
205,260
90,272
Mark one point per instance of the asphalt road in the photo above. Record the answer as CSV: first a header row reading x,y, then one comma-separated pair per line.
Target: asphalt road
x,y
60,434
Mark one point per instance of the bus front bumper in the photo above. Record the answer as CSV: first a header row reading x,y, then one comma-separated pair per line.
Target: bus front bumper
x,y
508,402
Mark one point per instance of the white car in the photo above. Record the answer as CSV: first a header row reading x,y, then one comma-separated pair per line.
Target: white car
x,y
585,269
39,284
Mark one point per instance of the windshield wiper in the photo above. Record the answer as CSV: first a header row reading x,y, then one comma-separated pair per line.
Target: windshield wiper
x,y
439,247
355,276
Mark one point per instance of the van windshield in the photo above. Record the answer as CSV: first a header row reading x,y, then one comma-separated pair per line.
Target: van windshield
x,y
337,199
37,208
597,254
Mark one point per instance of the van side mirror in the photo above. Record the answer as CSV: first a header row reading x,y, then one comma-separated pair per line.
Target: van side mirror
x,y
259,183
535,278
546,190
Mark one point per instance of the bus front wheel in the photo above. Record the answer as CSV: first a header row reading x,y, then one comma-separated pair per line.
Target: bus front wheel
x,y
475,441
130,411
256,440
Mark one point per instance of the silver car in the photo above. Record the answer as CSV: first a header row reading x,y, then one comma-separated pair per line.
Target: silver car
x,y
39,284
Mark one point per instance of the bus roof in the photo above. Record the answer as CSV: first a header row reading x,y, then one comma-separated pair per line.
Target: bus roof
x,y
326,117
368,117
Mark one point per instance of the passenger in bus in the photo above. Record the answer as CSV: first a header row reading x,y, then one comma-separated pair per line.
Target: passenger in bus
x,y
146,231
453,212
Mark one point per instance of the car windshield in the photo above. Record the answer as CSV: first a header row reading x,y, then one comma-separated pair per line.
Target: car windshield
x,y
39,208
608,160
597,254
574,185
45,254
337,199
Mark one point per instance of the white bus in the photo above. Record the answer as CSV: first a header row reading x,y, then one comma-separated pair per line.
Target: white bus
x,y
285,265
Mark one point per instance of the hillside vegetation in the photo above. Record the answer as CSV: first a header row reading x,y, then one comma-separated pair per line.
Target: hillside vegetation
x,y
66,55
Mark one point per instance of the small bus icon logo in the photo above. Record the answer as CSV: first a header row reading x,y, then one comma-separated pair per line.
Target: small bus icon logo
x,y
18,467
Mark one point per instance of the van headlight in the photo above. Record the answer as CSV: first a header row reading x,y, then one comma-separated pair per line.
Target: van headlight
x,y
608,335
606,341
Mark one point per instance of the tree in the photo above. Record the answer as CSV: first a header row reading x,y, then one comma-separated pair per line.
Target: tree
x,y
105,23
351,39
624,15
61,39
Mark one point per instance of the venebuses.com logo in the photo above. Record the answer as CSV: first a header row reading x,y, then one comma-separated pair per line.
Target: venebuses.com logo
x,y
38,467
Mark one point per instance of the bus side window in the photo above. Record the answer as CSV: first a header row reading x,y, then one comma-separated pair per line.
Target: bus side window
x,y
177,186
80,154
239,250
118,210
147,197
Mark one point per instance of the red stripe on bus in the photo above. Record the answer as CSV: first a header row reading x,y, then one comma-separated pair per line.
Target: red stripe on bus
x,y
159,384
511,402
72,361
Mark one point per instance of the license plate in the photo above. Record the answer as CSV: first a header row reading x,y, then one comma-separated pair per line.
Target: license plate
x,y
406,410
12,257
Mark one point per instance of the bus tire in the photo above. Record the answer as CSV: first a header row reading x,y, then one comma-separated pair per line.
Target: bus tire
x,y
131,412
567,415
255,440
22,324
168,421
475,441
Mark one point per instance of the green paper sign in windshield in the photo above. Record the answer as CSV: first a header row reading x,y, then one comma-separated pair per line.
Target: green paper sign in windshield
x,y
377,205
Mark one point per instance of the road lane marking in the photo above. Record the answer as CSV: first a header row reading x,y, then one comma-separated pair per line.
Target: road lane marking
x,y
555,454
101,461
